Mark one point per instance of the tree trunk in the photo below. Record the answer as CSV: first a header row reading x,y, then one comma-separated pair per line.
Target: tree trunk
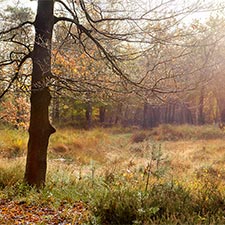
x,y
221,107
55,106
118,113
145,116
88,115
40,128
102,111
201,118
55,110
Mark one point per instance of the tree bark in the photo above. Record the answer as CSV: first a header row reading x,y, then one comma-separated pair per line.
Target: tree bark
x,y
55,110
88,115
118,113
40,128
145,116
201,118
102,111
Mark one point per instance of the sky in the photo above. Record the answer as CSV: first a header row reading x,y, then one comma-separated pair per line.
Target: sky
x,y
199,15
24,3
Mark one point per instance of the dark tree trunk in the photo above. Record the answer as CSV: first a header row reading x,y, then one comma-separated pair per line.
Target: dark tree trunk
x,y
89,115
55,107
125,118
152,120
157,113
55,113
118,113
135,120
221,107
40,128
201,118
174,113
145,116
102,111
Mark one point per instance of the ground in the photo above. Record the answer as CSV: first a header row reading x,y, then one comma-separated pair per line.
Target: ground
x,y
87,167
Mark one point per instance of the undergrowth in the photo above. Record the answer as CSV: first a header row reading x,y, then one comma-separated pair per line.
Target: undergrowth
x,y
116,191
124,200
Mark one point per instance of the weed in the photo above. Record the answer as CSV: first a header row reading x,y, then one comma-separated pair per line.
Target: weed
x,y
154,166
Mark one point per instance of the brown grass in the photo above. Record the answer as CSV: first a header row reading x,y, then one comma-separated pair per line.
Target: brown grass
x,y
139,137
79,146
113,149
194,181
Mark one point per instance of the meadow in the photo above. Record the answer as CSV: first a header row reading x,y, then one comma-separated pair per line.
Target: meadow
x,y
166,175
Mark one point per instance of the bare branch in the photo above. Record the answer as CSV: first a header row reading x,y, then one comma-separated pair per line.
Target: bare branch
x,y
15,75
16,28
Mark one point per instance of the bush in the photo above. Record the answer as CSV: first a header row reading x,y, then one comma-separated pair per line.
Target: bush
x,y
139,137
168,202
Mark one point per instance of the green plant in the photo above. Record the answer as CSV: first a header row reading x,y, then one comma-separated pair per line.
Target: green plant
x,y
154,167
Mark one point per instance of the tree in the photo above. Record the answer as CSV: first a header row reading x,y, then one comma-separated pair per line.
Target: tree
x,y
40,128
88,23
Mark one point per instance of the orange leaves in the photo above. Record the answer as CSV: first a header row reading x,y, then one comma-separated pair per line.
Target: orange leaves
x,y
19,213
74,64
12,212
15,111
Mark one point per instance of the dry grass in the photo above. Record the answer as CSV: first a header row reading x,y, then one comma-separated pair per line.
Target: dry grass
x,y
109,171
167,132
79,146
13,143
116,149
139,137
11,171
188,156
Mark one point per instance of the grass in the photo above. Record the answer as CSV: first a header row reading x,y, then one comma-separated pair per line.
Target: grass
x,y
13,142
79,146
167,132
11,172
125,177
125,201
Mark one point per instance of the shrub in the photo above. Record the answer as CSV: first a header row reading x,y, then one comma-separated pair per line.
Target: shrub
x,y
168,202
139,137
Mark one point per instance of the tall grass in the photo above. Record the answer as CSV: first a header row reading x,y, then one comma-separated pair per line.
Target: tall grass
x,y
169,132
79,146
116,175
11,172
13,142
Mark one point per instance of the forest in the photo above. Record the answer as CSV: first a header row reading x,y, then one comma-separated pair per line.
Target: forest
x,y
112,112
